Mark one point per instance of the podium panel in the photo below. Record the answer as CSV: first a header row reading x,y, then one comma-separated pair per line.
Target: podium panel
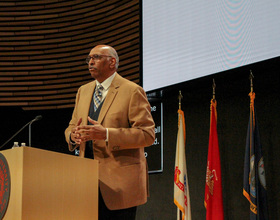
x,y
50,185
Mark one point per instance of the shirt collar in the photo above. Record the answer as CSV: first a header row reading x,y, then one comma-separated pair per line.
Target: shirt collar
x,y
107,82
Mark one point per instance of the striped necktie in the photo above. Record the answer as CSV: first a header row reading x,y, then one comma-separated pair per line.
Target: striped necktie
x,y
97,97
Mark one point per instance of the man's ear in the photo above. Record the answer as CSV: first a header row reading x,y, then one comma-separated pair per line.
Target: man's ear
x,y
113,63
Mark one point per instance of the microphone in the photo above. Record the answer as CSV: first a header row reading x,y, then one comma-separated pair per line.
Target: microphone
x,y
37,118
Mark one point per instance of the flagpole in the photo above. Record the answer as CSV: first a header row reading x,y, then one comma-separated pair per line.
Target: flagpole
x,y
214,88
252,95
180,99
180,103
251,80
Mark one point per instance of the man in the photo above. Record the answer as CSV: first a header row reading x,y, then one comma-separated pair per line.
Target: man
x,y
113,124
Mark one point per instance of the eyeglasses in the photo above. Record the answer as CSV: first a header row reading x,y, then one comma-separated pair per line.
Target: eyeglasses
x,y
95,57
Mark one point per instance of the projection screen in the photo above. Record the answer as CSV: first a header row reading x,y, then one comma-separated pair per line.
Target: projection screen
x,y
184,40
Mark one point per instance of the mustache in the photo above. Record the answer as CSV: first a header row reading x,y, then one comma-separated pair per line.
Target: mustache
x,y
92,67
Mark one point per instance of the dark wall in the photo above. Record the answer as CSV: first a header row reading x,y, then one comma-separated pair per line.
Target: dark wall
x,y
233,101
47,133
233,115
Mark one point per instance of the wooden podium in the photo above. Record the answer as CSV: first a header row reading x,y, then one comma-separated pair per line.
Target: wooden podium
x,y
49,185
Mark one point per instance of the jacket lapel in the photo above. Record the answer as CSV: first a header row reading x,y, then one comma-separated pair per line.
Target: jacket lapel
x,y
112,92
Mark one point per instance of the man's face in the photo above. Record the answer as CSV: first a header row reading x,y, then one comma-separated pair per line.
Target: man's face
x,y
99,64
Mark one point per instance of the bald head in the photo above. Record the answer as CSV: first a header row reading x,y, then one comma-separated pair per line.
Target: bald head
x,y
103,62
108,50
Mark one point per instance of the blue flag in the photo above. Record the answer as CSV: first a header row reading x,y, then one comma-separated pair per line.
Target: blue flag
x,y
254,184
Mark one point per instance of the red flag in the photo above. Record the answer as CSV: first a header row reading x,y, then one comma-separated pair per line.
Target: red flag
x,y
213,199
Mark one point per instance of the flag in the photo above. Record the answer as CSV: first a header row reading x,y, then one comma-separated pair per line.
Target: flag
x,y
181,186
254,183
213,199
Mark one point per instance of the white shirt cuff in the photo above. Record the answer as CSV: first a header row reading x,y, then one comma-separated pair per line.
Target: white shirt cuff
x,y
107,135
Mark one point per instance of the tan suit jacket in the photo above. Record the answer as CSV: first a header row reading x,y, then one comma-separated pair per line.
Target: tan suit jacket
x,y
123,177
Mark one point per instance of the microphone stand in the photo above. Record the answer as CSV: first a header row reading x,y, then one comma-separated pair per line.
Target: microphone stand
x,y
29,123
39,117
29,129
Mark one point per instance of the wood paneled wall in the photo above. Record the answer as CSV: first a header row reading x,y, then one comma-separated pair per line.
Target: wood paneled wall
x,y
44,43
